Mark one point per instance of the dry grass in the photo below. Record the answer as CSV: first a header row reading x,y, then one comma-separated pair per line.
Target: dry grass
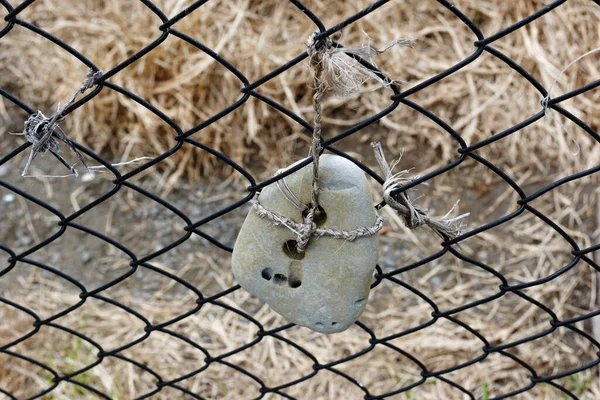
x,y
188,86
480,100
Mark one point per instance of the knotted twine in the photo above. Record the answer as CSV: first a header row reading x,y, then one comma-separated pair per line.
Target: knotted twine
x,y
45,133
334,68
448,226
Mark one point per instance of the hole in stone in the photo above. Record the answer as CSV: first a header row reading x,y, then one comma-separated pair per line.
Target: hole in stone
x,y
295,274
290,248
295,284
280,279
267,273
320,215
334,323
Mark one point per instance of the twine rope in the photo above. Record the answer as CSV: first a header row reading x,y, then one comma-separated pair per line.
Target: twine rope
x,y
334,68
448,226
316,51
300,229
45,133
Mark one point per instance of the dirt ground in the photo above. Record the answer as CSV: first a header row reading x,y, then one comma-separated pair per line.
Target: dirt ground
x,y
515,249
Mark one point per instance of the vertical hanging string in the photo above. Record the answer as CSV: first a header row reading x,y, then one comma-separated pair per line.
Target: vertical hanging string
x,y
320,87
316,50
333,68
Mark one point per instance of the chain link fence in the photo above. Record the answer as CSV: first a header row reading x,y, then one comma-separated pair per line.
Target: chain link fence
x,y
464,151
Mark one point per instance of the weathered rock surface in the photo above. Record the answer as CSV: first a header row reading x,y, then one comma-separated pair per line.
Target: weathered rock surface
x,y
325,288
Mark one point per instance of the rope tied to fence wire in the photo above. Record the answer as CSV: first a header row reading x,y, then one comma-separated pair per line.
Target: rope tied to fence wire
x,y
449,226
319,52
545,102
44,133
334,68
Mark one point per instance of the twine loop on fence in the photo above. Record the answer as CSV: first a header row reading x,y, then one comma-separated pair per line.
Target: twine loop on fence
x,y
343,73
545,102
44,133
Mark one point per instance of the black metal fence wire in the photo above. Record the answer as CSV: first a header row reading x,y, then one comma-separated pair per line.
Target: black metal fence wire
x,y
481,44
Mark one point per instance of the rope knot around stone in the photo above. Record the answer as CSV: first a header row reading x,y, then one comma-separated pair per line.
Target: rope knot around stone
x,y
307,229
337,68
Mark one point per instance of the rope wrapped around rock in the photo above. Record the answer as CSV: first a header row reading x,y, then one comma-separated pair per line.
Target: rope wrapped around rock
x,y
334,68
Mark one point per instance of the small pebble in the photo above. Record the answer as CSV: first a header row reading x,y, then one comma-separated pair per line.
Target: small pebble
x,y
8,198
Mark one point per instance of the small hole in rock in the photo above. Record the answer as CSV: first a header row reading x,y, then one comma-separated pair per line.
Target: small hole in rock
x,y
295,283
290,248
295,274
267,273
320,215
334,323
280,279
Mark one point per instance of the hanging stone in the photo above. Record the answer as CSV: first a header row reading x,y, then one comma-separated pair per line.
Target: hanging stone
x,y
324,288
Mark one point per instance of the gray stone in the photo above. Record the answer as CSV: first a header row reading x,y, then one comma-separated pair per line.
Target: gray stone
x,y
86,256
325,288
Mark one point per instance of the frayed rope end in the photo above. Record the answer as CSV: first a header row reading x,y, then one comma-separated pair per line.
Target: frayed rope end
x,y
448,227
344,74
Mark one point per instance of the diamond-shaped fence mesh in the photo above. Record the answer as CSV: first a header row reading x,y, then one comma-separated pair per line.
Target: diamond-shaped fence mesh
x,y
193,226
